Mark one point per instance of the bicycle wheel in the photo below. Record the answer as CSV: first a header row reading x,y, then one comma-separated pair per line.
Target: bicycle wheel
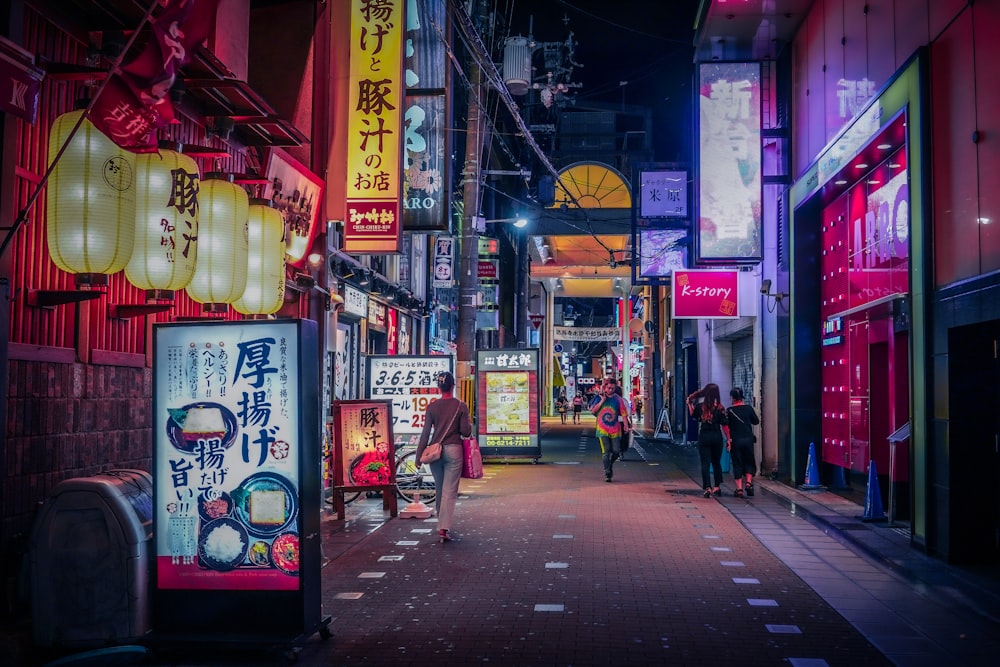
x,y
411,478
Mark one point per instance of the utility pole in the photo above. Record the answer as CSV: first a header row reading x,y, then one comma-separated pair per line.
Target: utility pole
x,y
468,276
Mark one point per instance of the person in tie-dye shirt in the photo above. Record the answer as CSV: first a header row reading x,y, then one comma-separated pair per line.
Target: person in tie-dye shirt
x,y
613,420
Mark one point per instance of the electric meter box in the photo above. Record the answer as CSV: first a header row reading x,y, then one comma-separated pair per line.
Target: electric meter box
x,y
88,559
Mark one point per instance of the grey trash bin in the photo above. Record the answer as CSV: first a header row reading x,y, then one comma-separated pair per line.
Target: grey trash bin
x,y
88,560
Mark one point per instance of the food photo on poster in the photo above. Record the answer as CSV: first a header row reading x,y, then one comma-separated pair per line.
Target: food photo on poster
x,y
226,461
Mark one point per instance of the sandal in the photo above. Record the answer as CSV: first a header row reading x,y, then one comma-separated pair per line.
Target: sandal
x,y
738,493
708,493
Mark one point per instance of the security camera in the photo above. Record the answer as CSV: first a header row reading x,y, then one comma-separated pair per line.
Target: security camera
x,y
765,286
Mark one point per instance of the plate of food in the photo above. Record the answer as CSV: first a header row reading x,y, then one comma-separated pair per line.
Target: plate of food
x,y
214,504
222,545
201,422
285,553
259,554
265,503
370,469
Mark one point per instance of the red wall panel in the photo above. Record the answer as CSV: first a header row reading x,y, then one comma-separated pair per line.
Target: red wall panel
x,y
986,26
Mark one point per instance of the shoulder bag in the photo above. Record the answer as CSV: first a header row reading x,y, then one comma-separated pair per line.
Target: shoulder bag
x,y
432,452
733,413
472,459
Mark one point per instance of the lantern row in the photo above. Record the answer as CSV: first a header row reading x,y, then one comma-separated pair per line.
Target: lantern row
x,y
152,215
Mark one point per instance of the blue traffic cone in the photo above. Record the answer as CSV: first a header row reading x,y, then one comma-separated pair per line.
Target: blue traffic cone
x,y
838,478
811,482
873,497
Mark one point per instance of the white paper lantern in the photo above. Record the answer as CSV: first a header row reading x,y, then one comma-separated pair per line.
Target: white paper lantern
x,y
265,290
90,197
166,223
221,272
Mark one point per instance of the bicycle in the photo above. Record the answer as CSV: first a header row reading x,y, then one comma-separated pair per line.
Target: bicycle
x,y
411,479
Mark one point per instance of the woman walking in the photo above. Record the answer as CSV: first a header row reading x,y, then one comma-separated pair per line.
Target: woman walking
x,y
742,419
449,419
713,429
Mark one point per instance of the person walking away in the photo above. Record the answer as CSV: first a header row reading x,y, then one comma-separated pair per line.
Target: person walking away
x,y
742,419
637,407
562,405
613,420
713,429
577,407
449,421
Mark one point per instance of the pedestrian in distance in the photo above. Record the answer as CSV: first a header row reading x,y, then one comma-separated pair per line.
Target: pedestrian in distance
x,y
713,430
742,419
613,422
637,407
449,421
577,408
562,405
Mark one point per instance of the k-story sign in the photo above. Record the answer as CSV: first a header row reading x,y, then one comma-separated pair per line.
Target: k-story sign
x,y
705,294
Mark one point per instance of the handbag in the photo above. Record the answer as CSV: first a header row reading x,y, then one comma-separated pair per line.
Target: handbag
x,y
432,452
472,459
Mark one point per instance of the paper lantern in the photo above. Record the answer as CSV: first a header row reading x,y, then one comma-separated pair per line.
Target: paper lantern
x,y
220,274
90,197
166,223
265,290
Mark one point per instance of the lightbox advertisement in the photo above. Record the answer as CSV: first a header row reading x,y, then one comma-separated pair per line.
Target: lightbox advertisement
x,y
507,402
233,434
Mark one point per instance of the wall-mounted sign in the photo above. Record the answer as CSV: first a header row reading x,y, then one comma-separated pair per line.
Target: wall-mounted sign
x,y
377,317
444,261
705,294
295,191
663,194
372,220
729,204
355,302
587,333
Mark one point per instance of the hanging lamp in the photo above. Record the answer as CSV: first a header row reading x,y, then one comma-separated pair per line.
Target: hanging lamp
x,y
265,288
90,200
220,274
166,222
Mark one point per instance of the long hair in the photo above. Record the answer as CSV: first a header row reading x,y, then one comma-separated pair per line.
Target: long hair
x,y
711,401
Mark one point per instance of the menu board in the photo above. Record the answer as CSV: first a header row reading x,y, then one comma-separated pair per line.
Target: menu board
x,y
236,431
409,382
507,402
365,456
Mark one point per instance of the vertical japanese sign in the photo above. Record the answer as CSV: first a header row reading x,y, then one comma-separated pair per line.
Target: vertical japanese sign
x,y
374,170
364,454
425,169
729,224
230,451
409,382
444,261
507,402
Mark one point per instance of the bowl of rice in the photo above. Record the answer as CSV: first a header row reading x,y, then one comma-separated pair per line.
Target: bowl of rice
x,y
222,544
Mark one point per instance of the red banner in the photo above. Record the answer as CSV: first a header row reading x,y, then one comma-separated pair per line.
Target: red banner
x,y
704,294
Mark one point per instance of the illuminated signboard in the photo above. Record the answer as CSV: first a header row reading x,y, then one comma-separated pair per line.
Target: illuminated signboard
x,y
507,406
705,294
410,383
372,222
663,194
729,196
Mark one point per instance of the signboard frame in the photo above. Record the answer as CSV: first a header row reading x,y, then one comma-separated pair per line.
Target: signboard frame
x,y
425,369
508,377
217,367
349,417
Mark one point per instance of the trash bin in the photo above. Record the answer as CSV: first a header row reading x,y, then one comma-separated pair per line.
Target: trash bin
x,y
88,560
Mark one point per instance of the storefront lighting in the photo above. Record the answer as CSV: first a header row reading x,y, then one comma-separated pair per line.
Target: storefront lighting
x,y
166,223
221,273
265,275
90,199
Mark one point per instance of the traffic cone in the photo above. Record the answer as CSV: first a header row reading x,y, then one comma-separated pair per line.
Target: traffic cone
x,y
838,478
811,482
873,497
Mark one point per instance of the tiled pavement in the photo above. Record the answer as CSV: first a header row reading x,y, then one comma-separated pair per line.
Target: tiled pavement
x,y
556,567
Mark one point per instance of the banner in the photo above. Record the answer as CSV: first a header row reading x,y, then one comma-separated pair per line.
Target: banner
x,y
587,333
